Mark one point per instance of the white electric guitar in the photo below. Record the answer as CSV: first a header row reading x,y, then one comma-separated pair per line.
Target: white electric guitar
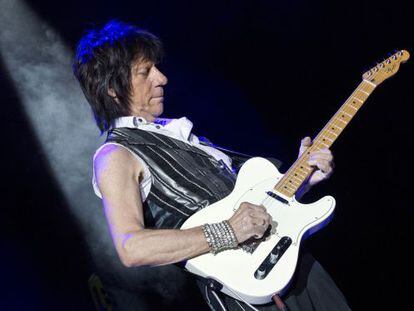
x,y
259,269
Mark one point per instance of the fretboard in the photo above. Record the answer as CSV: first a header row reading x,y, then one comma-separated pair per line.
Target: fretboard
x,y
300,171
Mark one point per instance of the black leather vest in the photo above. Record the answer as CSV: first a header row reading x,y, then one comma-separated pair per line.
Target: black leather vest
x,y
185,178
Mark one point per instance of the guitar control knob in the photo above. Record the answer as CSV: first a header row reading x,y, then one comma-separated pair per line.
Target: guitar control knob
x,y
260,273
274,257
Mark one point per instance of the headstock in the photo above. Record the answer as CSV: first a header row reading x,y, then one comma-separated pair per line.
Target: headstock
x,y
387,68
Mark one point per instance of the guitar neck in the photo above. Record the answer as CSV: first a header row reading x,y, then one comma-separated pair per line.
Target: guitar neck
x,y
300,171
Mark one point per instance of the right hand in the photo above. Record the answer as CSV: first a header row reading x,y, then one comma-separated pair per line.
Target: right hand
x,y
250,220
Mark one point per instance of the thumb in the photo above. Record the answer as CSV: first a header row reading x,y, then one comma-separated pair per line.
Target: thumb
x,y
304,144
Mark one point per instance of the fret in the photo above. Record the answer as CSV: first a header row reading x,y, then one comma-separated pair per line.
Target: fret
x,y
346,109
342,115
289,176
333,126
287,187
360,100
290,182
326,146
324,137
342,120
336,124
304,168
362,94
353,108
300,175
328,135
295,177
370,83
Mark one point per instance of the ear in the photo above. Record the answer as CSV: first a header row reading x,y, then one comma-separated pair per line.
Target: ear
x,y
112,94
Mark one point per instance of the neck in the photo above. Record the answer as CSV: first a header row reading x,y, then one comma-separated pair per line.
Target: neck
x,y
300,171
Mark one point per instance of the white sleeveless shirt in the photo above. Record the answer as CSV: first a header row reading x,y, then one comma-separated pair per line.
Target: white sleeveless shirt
x,y
175,128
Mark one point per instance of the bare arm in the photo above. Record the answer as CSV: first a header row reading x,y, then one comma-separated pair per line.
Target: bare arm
x,y
118,175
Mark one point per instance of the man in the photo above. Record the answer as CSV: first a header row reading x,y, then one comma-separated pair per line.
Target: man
x,y
153,173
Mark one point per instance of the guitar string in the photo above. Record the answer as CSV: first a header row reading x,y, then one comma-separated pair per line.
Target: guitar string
x,y
332,121
363,86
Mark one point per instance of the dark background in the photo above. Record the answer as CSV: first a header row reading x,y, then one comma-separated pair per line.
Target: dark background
x,y
255,77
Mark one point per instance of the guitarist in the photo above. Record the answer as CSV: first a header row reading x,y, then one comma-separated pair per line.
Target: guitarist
x,y
153,173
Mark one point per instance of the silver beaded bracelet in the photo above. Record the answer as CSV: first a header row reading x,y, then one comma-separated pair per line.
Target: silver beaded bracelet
x,y
220,236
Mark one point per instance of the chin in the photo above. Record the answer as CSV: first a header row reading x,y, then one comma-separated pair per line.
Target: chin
x,y
161,108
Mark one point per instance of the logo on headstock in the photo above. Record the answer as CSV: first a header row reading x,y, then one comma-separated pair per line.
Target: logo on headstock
x,y
390,69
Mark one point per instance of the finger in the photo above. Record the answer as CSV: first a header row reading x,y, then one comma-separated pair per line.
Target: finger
x,y
258,221
257,208
323,165
304,144
259,231
258,214
262,221
320,155
323,151
306,141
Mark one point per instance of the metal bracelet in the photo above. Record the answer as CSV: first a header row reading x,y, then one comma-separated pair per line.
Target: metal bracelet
x,y
220,236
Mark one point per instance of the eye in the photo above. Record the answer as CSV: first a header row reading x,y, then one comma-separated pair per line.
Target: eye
x,y
144,72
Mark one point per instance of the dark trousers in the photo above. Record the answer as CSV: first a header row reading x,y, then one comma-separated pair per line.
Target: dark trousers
x,y
312,289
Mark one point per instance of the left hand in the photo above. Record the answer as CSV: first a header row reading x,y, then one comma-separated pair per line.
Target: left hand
x,y
321,159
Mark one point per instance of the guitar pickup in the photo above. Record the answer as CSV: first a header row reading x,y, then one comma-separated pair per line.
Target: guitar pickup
x,y
272,259
277,197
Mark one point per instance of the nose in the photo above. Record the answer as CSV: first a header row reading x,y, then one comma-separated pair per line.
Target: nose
x,y
159,77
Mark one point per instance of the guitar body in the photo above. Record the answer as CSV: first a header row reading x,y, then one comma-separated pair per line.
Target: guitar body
x,y
237,270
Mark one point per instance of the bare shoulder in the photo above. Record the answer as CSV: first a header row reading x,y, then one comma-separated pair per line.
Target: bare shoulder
x,y
113,162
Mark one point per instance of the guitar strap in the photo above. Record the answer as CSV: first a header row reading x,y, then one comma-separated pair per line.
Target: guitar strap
x,y
238,158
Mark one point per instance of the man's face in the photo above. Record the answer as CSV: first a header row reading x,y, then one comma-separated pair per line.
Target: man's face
x,y
147,93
